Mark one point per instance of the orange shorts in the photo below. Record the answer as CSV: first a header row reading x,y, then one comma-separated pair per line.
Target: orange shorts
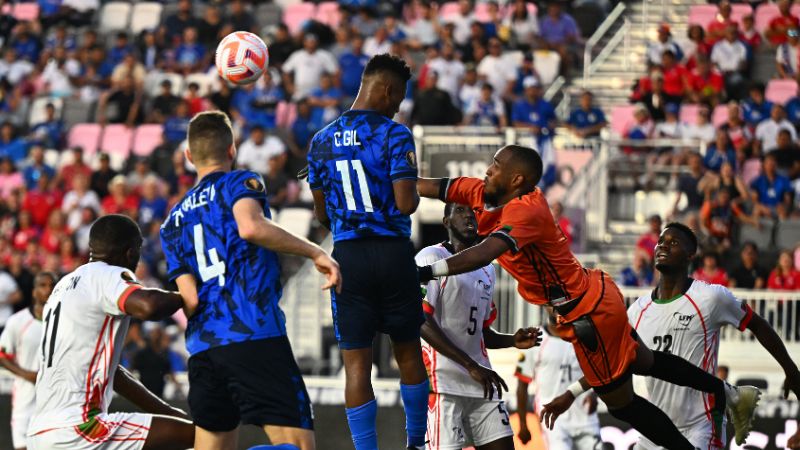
x,y
608,357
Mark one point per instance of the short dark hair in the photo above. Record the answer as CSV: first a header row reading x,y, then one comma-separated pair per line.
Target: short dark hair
x,y
210,136
530,161
384,63
688,232
114,233
53,277
750,244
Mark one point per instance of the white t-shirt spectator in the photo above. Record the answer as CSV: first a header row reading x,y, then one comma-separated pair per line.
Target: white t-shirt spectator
x,y
767,133
656,49
372,47
469,93
704,133
308,68
669,130
450,74
484,114
57,78
423,31
524,31
786,55
498,71
15,71
256,157
7,288
462,30
73,206
729,56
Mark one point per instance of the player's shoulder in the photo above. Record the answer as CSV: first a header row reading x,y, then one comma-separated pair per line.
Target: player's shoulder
x,y
532,204
100,271
18,318
432,253
703,292
640,303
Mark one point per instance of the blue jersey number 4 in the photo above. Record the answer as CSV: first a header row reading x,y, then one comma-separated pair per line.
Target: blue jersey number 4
x,y
344,169
207,271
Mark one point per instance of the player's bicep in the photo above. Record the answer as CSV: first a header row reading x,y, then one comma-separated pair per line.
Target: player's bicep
x,y
729,310
116,286
249,216
402,154
405,195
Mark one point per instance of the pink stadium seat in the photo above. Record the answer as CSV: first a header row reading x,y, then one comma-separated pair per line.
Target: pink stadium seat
x,y
116,140
146,138
621,117
795,9
779,91
764,15
689,113
85,135
482,12
295,15
739,10
6,9
285,114
26,11
448,10
720,115
702,14
751,169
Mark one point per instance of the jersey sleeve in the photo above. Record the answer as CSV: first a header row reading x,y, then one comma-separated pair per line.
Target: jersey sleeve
x,y
115,285
465,191
7,342
426,257
402,154
520,225
524,370
176,265
244,184
726,309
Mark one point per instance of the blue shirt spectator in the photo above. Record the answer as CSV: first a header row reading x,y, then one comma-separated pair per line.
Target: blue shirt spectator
x,y
27,47
756,110
304,127
189,55
49,133
11,146
49,7
120,49
719,152
177,125
36,168
532,110
325,101
352,65
587,120
772,188
557,28
258,106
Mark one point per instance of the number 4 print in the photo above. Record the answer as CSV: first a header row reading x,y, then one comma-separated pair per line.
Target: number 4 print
x,y
207,271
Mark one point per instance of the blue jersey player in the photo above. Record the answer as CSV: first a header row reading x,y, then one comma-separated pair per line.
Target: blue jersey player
x,y
362,171
220,249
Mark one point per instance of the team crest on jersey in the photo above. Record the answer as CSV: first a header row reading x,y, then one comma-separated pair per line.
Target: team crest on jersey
x,y
411,158
254,184
684,320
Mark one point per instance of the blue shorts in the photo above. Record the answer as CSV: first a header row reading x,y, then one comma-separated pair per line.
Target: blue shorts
x,y
380,292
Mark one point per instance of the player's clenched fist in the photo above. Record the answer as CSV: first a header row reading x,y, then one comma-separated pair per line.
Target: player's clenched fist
x,y
330,268
526,338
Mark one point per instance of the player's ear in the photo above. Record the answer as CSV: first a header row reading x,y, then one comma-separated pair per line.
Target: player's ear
x,y
232,152
188,155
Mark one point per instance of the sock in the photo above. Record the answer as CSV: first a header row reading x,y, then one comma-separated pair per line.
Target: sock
x,y
652,423
678,371
362,425
415,403
275,447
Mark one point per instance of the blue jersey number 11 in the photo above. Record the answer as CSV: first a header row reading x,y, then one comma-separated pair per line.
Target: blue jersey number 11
x,y
344,168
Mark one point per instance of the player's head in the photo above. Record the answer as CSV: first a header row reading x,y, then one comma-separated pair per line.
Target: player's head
x,y
461,224
676,247
43,285
117,240
383,84
210,139
514,170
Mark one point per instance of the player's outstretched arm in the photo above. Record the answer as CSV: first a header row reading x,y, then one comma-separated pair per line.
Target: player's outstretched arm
x,y
770,340
254,227
465,261
488,378
126,385
12,366
429,187
524,434
405,196
152,304
523,339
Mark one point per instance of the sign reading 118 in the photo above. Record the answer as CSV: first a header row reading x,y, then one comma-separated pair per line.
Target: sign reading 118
x,y
475,169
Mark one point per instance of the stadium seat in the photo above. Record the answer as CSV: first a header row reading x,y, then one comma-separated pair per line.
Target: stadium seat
x,y
533,10
169,9
86,136
702,14
116,142
788,234
285,113
751,169
26,11
145,16
764,15
38,111
114,16
762,236
795,10
448,10
689,113
621,117
268,14
757,382
780,91
146,138
152,83
204,80
482,12
546,63
296,220
328,13
720,115
76,111
739,11
294,16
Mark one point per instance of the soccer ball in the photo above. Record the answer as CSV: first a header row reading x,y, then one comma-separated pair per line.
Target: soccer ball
x,y
241,57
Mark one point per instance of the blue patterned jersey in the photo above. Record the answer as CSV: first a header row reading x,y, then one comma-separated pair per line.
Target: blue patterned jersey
x,y
354,161
238,283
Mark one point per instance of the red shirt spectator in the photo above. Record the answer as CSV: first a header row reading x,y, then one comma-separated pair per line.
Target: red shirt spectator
x,y
784,277
748,34
70,171
119,201
710,272
777,28
40,202
707,82
647,242
55,232
25,231
715,30
676,78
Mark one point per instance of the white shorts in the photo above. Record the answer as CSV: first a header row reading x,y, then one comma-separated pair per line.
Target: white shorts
x,y
565,438
114,431
455,422
19,431
700,435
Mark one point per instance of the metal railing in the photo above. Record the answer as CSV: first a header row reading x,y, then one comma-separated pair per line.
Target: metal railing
x,y
590,62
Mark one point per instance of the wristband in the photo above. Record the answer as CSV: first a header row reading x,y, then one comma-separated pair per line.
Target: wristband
x,y
425,274
439,268
576,389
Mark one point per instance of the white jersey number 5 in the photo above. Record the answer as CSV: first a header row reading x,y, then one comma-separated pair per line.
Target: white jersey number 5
x,y
207,271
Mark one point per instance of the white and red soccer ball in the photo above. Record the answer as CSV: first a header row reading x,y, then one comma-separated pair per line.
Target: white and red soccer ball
x,y
241,57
